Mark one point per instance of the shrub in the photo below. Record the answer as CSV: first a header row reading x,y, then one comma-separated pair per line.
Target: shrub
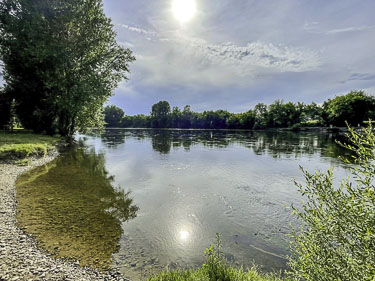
x,y
337,240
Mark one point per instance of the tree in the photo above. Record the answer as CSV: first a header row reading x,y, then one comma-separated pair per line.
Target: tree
x,y
283,115
61,62
5,112
337,241
160,114
312,114
176,117
261,114
187,116
248,119
234,121
113,116
354,108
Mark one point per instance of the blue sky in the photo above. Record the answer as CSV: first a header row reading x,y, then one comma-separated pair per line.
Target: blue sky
x,y
235,53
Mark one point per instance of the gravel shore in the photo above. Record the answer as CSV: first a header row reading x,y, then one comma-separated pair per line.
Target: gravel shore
x,y
20,258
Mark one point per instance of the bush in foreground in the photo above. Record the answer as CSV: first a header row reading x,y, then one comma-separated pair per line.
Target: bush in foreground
x,y
337,241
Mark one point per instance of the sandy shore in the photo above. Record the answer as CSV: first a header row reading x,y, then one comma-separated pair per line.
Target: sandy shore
x,y
20,258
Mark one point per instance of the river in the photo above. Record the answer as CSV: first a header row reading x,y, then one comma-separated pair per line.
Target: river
x,y
157,198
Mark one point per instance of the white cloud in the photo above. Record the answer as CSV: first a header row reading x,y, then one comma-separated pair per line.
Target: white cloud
x,y
350,29
138,30
126,44
177,59
313,27
276,58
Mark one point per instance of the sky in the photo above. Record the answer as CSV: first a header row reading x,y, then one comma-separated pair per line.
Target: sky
x,y
233,54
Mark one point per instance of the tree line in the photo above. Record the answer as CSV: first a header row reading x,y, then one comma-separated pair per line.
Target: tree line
x,y
353,108
61,63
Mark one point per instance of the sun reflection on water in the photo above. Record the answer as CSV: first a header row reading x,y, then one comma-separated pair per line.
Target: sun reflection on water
x,y
184,235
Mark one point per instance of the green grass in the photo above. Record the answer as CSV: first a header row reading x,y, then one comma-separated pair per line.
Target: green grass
x,y
216,268
222,273
22,144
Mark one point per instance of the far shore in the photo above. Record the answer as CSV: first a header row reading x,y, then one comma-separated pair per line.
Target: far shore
x,y
303,129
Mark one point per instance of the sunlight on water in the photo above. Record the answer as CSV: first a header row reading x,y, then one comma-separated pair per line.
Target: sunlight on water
x,y
184,235
185,186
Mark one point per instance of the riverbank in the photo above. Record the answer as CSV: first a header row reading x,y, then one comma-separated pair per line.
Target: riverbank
x,y
20,256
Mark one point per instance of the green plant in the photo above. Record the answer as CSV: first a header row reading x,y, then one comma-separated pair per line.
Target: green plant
x,y
216,268
337,240
215,265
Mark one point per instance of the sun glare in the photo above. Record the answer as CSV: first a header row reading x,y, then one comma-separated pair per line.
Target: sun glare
x,y
184,235
184,10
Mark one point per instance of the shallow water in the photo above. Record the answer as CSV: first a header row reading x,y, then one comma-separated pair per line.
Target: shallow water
x,y
185,186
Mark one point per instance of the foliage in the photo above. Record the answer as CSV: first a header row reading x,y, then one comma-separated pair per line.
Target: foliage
x,y
137,121
282,115
61,62
5,113
337,241
215,269
160,114
354,108
277,115
113,116
312,114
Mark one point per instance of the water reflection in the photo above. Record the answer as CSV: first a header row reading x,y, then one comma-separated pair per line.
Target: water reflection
x,y
72,208
276,144
193,184
184,235
189,185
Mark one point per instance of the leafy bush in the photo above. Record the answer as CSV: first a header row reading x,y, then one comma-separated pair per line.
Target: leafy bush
x,y
337,240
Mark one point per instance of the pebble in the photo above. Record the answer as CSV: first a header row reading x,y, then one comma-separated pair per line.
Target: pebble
x,y
20,257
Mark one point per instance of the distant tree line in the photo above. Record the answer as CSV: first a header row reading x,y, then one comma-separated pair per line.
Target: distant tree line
x,y
354,108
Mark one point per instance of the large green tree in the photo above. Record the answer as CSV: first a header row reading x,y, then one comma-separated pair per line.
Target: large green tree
x,y
5,112
354,108
61,62
113,116
160,115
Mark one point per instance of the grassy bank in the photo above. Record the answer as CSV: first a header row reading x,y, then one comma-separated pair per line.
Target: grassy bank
x,y
22,144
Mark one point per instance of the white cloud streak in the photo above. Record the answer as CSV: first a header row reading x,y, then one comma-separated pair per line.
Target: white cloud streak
x,y
313,27
138,30
186,60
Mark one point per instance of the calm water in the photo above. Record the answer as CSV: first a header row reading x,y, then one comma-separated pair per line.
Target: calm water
x,y
159,197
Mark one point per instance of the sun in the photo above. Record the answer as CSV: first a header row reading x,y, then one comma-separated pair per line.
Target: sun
x,y
184,10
